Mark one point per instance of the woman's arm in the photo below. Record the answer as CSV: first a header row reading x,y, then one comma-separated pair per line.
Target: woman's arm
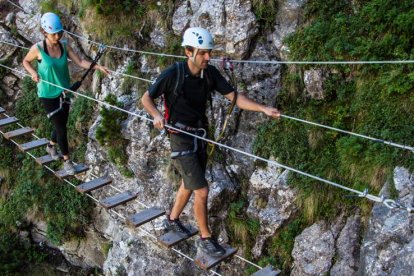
x,y
84,63
31,56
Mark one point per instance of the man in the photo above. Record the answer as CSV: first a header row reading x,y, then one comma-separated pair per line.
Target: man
x,y
186,111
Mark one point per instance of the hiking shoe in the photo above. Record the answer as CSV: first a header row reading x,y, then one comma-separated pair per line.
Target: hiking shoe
x,y
68,167
52,152
211,247
175,226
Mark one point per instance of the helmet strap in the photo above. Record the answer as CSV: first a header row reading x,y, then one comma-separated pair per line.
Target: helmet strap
x,y
194,54
193,57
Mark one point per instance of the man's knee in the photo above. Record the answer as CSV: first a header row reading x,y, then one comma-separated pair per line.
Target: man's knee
x,y
202,193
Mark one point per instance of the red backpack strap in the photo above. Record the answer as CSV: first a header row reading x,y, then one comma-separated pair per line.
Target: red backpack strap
x,y
177,92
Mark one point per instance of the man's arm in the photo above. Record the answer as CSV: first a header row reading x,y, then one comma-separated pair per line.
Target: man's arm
x,y
149,105
247,104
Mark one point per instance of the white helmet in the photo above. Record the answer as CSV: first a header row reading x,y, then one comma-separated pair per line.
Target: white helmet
x,y
50,23
198,38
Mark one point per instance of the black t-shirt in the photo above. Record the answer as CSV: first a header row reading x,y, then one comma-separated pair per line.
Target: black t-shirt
x,y
190,106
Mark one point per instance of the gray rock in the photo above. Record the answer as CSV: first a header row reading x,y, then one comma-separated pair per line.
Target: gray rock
x,y
28,26
404,261
389,236
29,6
7,51
10,80
158,36
313,80
313,250
271,201
9,19
347,252
88,252
231,22
288,19
404,183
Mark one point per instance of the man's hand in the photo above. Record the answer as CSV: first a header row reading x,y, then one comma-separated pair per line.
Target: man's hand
x,y
271,112
159,122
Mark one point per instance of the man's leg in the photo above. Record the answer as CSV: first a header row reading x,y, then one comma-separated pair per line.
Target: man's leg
x,y
183,195
200,211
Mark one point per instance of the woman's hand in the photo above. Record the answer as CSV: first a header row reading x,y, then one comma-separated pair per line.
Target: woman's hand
x,y
103,69
35,77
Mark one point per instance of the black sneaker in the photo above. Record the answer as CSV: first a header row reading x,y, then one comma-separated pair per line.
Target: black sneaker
x,y
176,226
211,247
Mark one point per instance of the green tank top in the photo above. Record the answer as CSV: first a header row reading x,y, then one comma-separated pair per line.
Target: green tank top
x,y
53,70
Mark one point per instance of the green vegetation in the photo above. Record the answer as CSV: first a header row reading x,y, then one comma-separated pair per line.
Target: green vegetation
x,y
106,247
110,136
29,190
376,100
242,228
125,21
14,253
130,85
265,12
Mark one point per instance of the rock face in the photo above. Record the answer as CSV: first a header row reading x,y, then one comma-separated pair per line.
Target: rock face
x,y
347,248
387,248
7,51
314,250
313,80
232,23
325,247
288,19
271,201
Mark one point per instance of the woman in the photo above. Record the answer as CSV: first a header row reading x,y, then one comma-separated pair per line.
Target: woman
x,y
51,55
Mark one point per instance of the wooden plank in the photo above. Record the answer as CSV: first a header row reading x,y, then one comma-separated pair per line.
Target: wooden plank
x,y
172,238
93,184
46,159
2,110
145,216
118,199
34,144
206,262
79,168
8,121
267,271
18,132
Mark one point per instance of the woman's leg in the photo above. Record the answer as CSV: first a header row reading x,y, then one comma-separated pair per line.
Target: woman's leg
x,y
59,121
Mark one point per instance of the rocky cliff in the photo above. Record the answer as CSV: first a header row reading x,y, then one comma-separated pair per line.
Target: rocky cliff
x,y
347,245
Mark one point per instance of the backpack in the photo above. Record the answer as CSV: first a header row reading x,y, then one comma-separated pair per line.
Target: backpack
x,y
178,90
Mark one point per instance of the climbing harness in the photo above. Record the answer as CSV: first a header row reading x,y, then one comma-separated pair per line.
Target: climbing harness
x,y
228,68
198,132
64,97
